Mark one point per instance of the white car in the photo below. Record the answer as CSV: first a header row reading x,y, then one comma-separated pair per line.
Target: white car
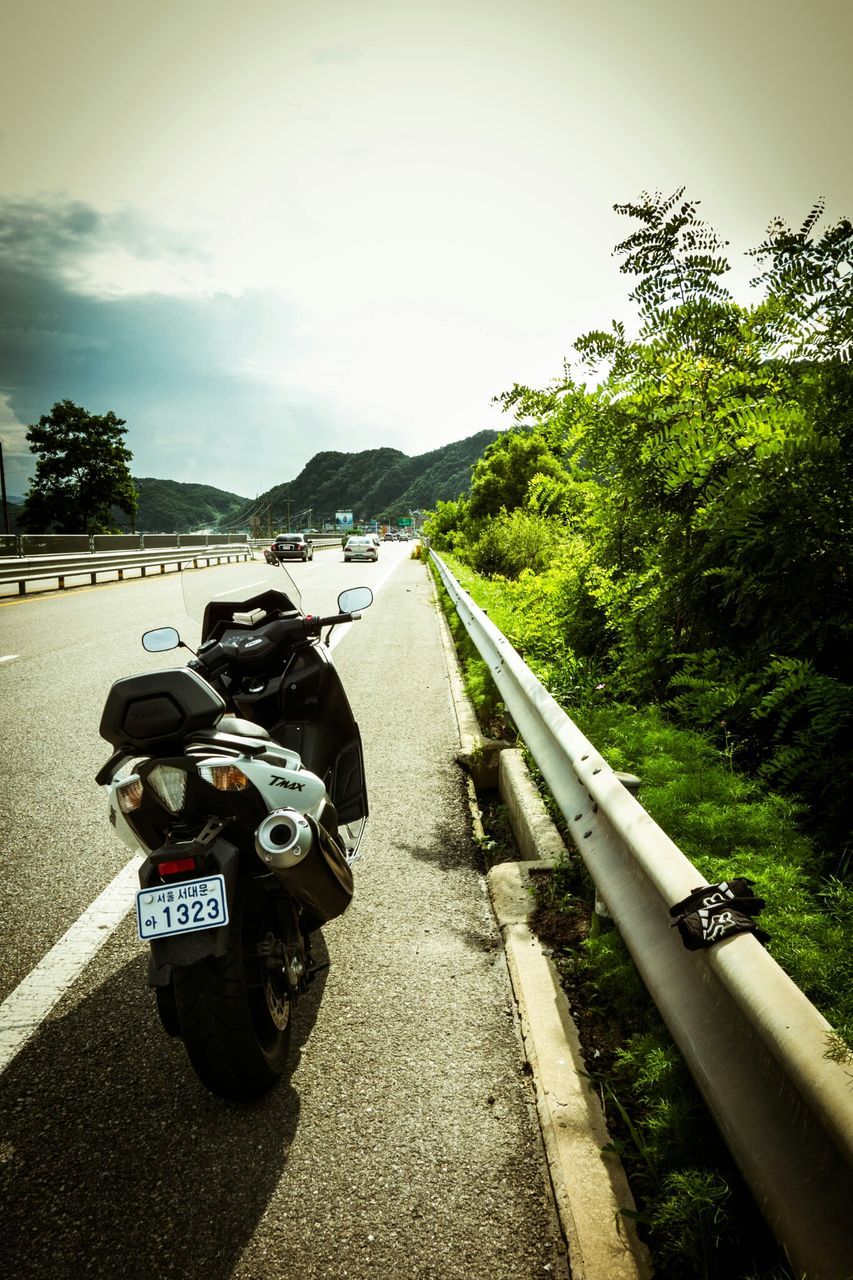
x,y
361,547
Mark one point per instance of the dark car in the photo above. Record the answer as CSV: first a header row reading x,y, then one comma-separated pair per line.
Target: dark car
x,y
290,546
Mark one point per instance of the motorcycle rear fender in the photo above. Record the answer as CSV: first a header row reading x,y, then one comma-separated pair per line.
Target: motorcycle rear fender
x,y
188,948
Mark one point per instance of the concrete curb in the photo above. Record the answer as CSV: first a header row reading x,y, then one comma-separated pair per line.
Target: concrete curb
x,y
589,1187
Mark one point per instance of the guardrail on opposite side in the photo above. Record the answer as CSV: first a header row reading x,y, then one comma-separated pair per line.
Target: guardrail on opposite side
x,y
753,1042
20,571
56,544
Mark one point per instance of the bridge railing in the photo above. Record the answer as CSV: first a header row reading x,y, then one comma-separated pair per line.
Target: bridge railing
x,y
756,1047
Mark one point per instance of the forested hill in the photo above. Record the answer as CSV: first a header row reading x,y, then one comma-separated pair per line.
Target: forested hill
x,y
373,484
379,482
167,506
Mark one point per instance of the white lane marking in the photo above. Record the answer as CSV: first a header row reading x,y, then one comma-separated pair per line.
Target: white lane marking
x,y
345,627
23,1011
9,657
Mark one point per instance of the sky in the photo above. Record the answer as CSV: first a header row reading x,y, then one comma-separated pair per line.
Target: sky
x,y
257,231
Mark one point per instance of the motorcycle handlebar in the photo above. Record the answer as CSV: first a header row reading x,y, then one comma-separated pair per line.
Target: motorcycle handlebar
x,y
280,634
317,624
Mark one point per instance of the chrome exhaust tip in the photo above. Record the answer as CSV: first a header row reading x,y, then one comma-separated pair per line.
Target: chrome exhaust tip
x,y
283,839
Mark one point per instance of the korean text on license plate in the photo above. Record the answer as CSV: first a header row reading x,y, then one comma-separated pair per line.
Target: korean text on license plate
x,y
182,907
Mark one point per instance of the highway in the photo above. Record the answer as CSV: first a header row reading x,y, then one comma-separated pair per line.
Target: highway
x,y
404,1141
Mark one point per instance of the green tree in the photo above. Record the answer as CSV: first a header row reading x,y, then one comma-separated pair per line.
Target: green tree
x,y
703,492
81,472
502,476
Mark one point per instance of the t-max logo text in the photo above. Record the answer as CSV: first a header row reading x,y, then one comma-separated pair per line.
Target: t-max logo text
x,y
277,781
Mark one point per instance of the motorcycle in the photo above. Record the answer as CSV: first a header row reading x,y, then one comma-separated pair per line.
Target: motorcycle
x,y
240,777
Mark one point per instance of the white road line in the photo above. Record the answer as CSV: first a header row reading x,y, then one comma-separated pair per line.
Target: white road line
x,y
9,657
344,628
25,1009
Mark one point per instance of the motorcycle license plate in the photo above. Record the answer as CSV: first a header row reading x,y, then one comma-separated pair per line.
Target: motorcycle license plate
x,y
181,908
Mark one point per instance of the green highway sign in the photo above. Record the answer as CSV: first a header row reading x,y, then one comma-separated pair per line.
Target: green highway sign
x,y
406,520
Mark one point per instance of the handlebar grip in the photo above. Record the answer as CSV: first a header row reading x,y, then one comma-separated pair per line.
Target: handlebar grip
x,y
334,620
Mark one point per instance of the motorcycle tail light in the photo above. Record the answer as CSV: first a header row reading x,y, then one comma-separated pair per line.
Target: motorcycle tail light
x,y
169,785
225,777
129,794
177,867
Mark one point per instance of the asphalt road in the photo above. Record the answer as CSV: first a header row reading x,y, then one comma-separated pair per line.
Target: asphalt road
x,y
404,1142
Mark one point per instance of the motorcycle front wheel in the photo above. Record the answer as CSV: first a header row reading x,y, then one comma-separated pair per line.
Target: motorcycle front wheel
x,y
234,1011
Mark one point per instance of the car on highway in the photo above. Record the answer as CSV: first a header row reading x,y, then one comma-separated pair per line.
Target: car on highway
x,y
290,546
361,547
389,537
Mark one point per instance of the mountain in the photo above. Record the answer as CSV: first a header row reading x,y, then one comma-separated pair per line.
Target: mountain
x,y
13,510
167,506
380,484
375,483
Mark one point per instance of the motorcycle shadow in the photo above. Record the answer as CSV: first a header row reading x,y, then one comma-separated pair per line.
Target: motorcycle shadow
x,y
115,1161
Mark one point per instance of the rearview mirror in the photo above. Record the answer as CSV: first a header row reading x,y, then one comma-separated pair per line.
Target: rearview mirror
x,y
160,640
355,599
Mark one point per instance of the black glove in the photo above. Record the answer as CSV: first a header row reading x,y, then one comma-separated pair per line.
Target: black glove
x,y
716,911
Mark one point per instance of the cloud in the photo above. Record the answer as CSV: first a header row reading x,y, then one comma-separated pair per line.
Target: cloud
x,y
103,254
182,370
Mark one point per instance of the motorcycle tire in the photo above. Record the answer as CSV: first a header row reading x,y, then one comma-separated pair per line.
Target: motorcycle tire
x,y
165,997
233,1011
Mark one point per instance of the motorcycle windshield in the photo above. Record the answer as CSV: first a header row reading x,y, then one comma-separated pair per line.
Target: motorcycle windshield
x,y
237,584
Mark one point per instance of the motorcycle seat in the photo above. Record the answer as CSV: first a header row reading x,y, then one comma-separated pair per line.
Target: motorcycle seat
x,y
243,728
229,728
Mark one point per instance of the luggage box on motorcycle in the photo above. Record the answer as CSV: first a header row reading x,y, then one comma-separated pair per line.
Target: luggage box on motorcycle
x,y
157,710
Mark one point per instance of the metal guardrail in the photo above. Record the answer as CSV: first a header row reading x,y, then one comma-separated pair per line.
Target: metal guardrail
x,y
755,1045
55,544
20,570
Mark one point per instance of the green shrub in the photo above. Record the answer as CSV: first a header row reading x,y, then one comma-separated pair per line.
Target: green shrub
x,y
511,542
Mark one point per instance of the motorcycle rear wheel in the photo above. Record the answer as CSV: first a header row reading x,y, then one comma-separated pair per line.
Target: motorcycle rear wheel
x,y
234,1012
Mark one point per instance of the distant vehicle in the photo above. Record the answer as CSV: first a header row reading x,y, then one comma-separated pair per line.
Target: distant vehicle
x,y
361,547
374,538
290,546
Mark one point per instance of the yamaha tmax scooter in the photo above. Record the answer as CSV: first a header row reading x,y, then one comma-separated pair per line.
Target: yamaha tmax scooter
x,y
240,777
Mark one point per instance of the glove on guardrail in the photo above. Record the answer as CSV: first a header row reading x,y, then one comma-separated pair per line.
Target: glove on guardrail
x,y
716,911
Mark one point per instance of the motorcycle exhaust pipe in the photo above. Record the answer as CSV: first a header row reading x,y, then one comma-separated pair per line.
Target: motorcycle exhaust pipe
x,y
283,839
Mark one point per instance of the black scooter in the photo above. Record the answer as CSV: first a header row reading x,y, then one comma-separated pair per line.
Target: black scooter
x,y
241,778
